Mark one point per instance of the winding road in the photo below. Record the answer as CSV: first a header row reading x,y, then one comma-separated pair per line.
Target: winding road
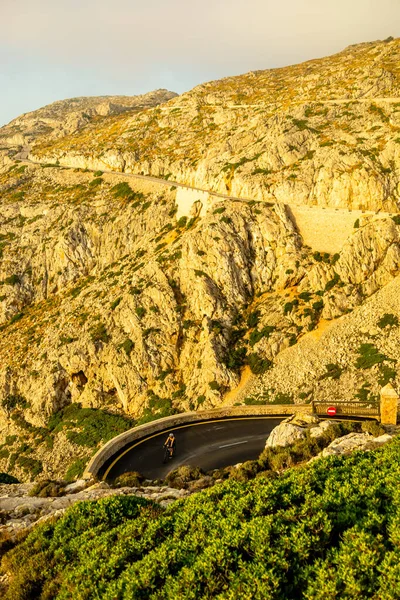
x,y
23,156
209,445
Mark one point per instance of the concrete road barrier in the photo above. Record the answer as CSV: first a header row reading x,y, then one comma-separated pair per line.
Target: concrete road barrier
x,y
114,446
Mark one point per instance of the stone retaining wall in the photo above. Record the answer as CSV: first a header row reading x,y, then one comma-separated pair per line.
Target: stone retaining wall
x,y
327,229
112,447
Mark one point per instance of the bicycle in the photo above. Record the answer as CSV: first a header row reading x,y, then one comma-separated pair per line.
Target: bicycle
x,y
168,454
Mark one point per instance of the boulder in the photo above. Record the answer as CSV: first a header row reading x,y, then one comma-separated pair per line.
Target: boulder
x,y
290,430
348,443
285,434
317,432
382,439
77,486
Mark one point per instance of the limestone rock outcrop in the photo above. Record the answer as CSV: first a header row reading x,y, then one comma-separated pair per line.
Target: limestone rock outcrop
x,y
66,117
323,133
295,428
132,297
354,441
20,512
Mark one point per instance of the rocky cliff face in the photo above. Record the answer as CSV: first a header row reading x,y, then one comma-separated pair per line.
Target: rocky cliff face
x,y
108,300
323,133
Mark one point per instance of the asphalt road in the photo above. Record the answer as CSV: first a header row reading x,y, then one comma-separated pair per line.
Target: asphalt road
x,y
24,154
209,445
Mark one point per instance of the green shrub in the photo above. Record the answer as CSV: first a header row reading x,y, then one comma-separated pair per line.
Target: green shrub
x,y
388,319
182,222
121,190
253,318
96,182
179,393
157,409
12,280
31,466
257,335
176,255
246,471
306,296
98,333
327,530
135,291
127,346
301,124
318,306
140,311
182,476
282,398
97,173
330,284
369,356
129,479
335,258
66,339
333,371
356,224
257,364
200,273
216,326
11,439
115,303
251,401
364,393
214,385
386,374
13,401
48,489
288,307
125,192
75,469
236,358
373,427
8,479
88,426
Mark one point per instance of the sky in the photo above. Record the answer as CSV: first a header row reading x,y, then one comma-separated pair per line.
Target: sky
x,y
56,49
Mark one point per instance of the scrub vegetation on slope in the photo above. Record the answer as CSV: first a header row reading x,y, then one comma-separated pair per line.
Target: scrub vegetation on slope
x,y
325,531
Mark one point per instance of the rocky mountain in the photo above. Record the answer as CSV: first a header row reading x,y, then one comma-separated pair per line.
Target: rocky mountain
x,y
69,116
138,297
325,133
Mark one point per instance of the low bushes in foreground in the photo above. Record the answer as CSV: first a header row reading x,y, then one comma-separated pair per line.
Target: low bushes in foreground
x,y
325,531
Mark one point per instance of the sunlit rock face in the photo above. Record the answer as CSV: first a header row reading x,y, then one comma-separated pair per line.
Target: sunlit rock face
x,y
140,298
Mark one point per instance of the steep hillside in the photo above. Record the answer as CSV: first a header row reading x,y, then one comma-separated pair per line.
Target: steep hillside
x,y
69,116
110,299
325,132
326,531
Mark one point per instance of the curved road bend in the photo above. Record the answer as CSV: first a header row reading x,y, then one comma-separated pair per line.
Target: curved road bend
x,y
209,445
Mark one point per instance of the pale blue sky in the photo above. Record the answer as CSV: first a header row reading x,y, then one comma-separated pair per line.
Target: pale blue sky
x,y
55,49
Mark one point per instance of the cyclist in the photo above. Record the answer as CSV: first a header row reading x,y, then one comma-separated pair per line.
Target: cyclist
x,y
170,444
